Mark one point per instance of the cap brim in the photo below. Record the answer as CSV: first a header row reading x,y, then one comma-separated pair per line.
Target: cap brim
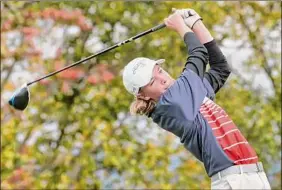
x,y
160,61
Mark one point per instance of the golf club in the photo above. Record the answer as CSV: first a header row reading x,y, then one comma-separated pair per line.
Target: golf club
x,y
20,98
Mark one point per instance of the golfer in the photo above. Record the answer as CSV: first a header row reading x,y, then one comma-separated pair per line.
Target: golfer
x,y
185,106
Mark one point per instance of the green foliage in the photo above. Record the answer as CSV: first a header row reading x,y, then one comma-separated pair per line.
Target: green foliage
x,y
84,137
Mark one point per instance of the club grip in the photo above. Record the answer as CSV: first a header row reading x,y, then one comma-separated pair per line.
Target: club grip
x,y
160,26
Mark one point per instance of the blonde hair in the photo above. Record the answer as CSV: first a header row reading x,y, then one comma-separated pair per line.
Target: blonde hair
x,y
141,106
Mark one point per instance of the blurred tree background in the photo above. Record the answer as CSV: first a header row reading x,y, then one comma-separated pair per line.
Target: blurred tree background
x,y
77,132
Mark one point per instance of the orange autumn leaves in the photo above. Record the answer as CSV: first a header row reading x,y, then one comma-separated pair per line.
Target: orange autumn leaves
x,y
100,75
28,49
59,15
30,31
74,16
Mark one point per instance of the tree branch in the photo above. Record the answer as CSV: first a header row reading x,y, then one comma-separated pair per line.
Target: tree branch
x,y
258,48
9,70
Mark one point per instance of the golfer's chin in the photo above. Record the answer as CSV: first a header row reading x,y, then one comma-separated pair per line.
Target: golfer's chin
x,y
170,83
166,88
160,94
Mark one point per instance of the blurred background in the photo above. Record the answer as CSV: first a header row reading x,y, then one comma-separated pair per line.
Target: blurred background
x,y
77,132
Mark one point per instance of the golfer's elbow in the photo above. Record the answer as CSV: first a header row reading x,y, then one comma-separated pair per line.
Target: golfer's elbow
x,y
220,64
226,69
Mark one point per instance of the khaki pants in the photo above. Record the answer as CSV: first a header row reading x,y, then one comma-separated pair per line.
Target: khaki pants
x,y
255,180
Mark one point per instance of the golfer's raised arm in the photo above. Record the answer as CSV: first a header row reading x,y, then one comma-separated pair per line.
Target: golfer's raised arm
x,y
197,55
219,68
189,92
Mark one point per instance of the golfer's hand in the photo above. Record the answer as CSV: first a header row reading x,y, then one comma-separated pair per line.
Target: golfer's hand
x,y
176,22
190,16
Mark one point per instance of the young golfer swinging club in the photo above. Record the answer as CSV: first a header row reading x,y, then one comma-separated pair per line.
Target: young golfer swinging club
x,y
185,106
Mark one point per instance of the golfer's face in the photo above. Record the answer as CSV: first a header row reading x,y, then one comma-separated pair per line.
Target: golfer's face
x,y
159,83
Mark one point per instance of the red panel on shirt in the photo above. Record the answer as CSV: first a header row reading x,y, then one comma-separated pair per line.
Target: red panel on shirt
x,y
227,134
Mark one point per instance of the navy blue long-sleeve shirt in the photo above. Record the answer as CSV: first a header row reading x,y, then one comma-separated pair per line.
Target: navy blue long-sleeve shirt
x,y
185,109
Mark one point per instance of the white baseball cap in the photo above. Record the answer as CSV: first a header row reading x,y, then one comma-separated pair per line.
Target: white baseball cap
x,y
138,73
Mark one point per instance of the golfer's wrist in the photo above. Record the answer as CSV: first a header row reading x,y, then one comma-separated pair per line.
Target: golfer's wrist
x,y
183,30
202,32
198,25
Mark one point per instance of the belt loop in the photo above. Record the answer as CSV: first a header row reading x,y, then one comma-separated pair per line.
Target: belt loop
x,y
219,175
259,167
241,169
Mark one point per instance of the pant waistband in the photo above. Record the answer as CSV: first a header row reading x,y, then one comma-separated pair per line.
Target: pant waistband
x,y
238,169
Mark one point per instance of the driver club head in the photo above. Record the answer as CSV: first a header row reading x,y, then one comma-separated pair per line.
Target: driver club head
x,y
20,98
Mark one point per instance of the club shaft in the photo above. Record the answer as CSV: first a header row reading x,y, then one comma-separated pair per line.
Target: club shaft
x,y
101,52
